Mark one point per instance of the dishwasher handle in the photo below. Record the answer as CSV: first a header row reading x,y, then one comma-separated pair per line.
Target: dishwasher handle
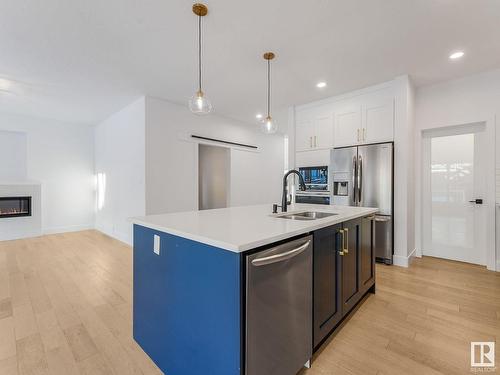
x,y
280,257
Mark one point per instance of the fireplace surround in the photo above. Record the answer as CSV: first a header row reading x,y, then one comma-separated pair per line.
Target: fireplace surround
x,y
21,206
15,206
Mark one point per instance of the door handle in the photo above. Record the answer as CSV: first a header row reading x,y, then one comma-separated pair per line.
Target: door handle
x,y
360,178
346,249
477,201
341,252
280,257
354,177
382,219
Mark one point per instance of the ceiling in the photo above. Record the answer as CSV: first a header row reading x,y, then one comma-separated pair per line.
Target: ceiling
x,y
83,60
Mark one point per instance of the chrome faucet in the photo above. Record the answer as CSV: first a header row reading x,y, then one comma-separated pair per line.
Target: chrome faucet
x,y
284,202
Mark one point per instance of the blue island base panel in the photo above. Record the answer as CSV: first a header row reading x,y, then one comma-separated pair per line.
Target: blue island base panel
x,y
187,304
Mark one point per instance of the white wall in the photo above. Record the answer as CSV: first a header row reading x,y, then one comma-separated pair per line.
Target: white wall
x,y
172,159
120,156
404,198
151,165
497,208
257,178
14,155
468,100
60,156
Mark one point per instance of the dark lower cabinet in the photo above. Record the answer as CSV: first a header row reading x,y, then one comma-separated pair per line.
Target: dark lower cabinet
x,y
327,308
367,254
344,270
351,270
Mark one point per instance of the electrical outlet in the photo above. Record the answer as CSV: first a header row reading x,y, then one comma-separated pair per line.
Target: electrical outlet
x,y
156,244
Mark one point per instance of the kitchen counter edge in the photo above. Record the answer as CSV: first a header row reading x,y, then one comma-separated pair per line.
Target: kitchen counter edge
x,y
266,240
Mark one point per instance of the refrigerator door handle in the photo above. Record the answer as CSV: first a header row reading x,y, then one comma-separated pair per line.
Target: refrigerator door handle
x,y
360,178
354,178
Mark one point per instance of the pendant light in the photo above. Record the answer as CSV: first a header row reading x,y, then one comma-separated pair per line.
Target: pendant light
x,y
199,103
268,126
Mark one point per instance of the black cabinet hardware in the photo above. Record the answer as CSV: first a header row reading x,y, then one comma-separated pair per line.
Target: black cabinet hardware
x,y
477,201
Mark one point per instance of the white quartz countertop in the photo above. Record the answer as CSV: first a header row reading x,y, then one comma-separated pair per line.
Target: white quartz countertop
x,y
239,229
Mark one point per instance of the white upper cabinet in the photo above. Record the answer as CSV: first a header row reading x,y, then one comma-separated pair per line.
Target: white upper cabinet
x,y
365,119
304,133
323,125
378,119
358,119
314,129
347,125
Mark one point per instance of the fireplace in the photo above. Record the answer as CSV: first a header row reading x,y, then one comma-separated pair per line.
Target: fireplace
x,y
15,206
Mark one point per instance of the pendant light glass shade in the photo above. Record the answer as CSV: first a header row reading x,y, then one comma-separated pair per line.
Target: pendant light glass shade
x,y
268,125
199,104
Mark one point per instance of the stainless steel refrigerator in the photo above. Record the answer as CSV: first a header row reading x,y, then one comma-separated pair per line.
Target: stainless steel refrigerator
x,y
363,176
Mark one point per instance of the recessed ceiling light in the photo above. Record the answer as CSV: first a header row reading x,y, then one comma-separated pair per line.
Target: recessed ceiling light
x,y
320,85
258,116
457,55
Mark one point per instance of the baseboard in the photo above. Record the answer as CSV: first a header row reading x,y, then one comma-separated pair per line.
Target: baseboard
x,y
403,261
19,236
412,256
122,237
71,228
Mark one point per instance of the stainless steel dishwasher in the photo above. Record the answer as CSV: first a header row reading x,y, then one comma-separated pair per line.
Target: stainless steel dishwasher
x,y
279,309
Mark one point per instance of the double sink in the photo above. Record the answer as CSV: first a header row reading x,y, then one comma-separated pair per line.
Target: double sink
x,y
307,215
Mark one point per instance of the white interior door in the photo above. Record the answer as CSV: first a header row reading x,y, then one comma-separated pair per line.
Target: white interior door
x,y
454,224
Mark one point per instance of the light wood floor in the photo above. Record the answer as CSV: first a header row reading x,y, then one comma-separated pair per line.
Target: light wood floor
x,y
421,321
65,308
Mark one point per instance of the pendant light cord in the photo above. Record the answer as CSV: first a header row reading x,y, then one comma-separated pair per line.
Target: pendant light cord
x,y
268,87
199,53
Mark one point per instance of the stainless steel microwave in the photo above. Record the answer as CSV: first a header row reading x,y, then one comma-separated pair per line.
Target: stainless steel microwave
x,y
315,178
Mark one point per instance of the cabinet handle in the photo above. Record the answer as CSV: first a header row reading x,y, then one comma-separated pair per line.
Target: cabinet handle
x,y
364,134
346,249
310,142
358,135
341,252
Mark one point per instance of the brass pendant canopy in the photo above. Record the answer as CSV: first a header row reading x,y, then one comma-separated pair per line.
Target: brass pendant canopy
x,y
200,9
269,55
